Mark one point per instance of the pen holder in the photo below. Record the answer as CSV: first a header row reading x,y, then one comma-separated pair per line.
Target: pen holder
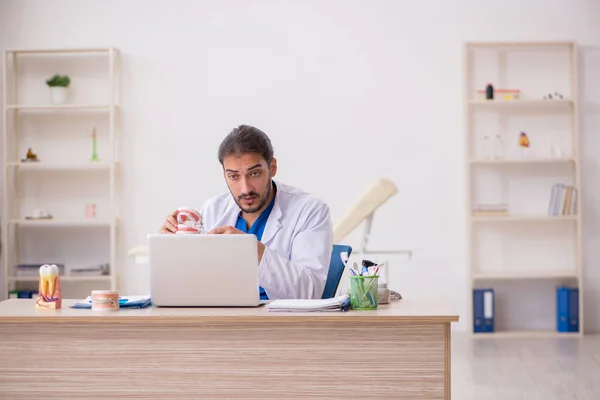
x,y
364,292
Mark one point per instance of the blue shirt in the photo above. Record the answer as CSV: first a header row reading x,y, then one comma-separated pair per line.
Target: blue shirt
x,y
257,228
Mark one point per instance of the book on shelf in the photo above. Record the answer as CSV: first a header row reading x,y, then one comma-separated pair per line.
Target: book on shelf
x,y
563,200
567,309
483,310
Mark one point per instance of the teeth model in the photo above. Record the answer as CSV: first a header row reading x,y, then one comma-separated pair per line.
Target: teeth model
x,y
48,275
189,221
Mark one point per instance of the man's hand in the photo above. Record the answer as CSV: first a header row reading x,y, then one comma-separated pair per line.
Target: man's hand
x,y
230,230
226,230
170,225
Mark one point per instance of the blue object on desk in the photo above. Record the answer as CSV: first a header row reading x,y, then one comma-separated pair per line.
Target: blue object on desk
x,y
124,302
336,270
345,305
26,294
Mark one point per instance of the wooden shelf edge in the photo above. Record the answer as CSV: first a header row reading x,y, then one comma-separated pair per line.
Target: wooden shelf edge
x,y
516,276
60,106
522,334
41,166
63,50
522,44
524,218
63,278
59,222
512,161
516,103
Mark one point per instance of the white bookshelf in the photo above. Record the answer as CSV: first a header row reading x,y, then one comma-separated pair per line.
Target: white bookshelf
x,y
65,178
523,253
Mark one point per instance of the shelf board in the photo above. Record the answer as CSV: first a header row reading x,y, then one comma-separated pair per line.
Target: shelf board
x,y
525,218
41,107
65,50
522,161
519,103
515,275
63,278
60,222
41,166
525,334
519,44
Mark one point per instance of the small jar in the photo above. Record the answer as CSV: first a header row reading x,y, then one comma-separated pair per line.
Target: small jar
x,y
384,293
105,300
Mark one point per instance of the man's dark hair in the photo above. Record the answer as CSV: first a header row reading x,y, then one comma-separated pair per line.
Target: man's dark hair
x,y
246,139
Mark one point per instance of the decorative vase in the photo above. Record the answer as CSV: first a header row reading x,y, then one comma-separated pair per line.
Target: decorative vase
x,y
59,94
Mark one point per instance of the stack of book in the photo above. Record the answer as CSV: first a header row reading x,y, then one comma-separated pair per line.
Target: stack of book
x,y
491,210
563,200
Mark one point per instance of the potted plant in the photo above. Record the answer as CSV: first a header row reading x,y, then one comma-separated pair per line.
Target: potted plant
x,y
59,88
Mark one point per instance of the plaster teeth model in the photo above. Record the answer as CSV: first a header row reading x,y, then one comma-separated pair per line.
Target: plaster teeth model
x,y
189,221
49,294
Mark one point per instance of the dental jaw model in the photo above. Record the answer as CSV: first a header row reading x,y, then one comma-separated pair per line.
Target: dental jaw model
x,y
50,297
189,221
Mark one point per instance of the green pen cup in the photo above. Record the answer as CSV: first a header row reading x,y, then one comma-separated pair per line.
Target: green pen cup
x,y
364,292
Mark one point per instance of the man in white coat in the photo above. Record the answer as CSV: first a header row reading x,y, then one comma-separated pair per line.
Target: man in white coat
x,y
293,229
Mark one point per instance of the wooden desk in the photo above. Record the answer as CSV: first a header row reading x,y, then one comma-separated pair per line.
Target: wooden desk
x,y
400,351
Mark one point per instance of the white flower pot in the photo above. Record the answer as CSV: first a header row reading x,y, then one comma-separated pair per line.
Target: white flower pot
x,y
59,94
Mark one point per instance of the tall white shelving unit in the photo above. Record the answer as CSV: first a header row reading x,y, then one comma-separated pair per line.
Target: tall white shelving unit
x,y
523,252
66,179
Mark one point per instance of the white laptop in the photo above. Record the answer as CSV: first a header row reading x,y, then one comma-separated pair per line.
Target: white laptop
x,y
203,270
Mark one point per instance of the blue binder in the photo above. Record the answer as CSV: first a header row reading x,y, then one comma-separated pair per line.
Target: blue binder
x,y
574,310
483,310
562,309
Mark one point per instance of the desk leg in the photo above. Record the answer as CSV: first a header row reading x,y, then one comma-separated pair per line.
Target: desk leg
x,y
447,361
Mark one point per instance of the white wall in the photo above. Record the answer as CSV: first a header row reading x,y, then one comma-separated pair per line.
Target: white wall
x,y
349,91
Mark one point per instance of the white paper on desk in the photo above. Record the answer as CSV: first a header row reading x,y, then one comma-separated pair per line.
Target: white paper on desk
x,y
305,305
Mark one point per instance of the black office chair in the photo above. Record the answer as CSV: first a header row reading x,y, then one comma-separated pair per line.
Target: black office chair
x,y
336,269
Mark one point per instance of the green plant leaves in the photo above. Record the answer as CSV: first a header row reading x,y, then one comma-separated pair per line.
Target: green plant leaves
x,y
59,80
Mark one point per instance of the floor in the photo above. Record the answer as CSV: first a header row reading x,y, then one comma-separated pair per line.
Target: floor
x,y
518,368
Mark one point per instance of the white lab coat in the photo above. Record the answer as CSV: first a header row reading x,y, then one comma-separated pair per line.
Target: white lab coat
x,y
298,239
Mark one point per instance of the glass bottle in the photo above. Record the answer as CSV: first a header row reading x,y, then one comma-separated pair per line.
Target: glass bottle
x,y
486,148
498,147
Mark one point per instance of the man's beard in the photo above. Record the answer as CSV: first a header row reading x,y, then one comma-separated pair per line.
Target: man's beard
x,y
262,200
